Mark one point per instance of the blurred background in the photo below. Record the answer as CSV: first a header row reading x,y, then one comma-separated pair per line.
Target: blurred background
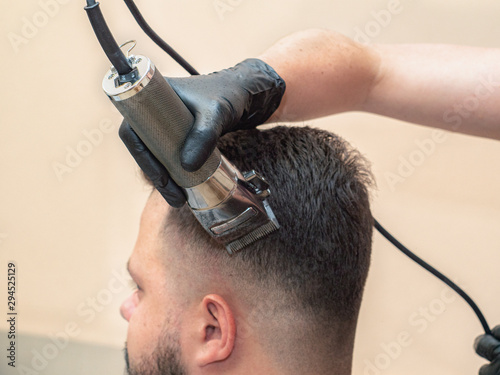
x,y
71,195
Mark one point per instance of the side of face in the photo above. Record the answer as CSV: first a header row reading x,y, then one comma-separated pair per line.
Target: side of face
x,y
153,310
175,306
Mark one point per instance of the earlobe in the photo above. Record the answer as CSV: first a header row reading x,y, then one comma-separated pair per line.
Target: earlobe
x,y
218,330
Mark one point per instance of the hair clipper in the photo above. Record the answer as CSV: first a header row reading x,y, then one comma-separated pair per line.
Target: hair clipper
x,y
230,205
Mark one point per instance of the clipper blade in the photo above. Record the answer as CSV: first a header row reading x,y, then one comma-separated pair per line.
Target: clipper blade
x,y
251,237
233,207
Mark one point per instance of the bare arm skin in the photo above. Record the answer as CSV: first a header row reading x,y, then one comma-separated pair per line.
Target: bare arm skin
x,y
456,88
325,73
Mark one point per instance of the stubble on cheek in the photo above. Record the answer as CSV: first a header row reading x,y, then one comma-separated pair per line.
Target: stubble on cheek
x,y
164,360
152,334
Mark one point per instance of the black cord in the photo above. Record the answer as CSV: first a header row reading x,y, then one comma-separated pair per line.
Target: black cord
x,y
156,38
436,273
106,39
160,42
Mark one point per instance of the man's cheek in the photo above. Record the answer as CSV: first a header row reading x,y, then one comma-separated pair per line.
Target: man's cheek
x,y
137,340
142,332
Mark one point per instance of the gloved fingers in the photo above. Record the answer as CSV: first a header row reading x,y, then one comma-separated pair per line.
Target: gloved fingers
x,y
186,89
491,369
172,193
202,138
241,97
487,347
199,145
496,332
156,172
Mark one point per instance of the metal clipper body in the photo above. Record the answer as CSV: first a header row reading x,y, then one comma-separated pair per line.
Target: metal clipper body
x,y
230,205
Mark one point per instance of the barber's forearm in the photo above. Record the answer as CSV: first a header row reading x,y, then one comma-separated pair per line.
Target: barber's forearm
x,y
456,88
325,73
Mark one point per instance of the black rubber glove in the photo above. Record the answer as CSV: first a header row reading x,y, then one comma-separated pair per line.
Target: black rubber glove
x,y
155,171
237,98
240,97
488,346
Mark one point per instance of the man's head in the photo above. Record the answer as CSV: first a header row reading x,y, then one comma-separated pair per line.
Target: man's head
x,y
289,302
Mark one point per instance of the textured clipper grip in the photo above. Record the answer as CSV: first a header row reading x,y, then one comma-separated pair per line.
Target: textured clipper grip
x,y
162,121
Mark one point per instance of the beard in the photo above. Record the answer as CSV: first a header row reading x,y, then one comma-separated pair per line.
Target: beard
x,y
165,360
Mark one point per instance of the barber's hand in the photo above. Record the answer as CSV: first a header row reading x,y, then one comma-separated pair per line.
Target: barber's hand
x,y
240,97
237,98
488,346
150,165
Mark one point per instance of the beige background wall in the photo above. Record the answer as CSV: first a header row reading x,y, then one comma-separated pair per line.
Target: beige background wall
x,y
71,232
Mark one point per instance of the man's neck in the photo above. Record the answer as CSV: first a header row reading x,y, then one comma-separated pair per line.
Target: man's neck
x,y
257,361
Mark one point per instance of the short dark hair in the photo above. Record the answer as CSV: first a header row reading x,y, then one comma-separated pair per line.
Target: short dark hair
x,y
320,256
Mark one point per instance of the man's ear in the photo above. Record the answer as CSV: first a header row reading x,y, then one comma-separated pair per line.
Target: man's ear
x,y
216,330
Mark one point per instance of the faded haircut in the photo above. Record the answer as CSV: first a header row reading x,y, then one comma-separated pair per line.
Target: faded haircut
x,y
317,262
